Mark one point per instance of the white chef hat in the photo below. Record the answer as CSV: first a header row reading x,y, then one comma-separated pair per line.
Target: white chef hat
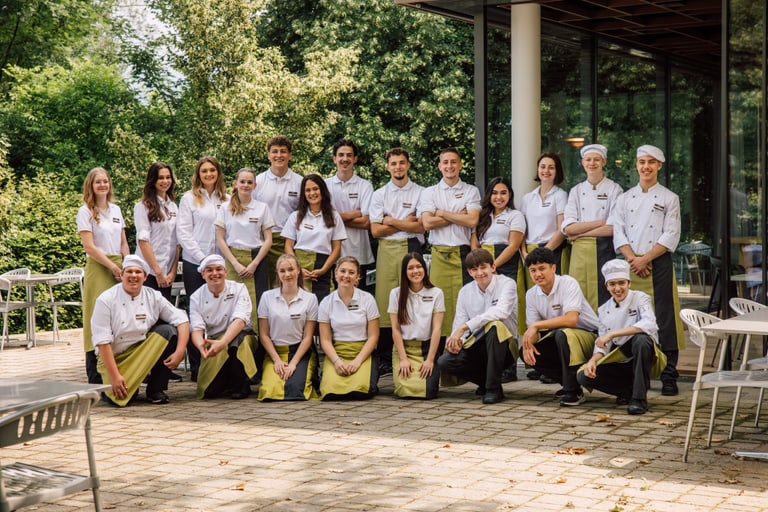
x,y
648,150
615,269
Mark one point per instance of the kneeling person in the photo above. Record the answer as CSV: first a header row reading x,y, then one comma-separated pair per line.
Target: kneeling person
x,y
483,328
220,318
561,325
626,348
137,333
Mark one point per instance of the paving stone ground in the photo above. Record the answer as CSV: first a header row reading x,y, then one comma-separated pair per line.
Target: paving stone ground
x,y
386,454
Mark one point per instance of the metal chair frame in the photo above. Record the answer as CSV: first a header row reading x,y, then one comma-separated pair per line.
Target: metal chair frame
x,y
6,304
70,275
741,307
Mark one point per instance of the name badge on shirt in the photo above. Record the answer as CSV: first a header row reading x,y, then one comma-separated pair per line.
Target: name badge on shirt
x,y
115,220
253,219
141,317
458,195
494,302
632,312
353,195
427,298
499,220
293,193
407,205
557,307
295,316
602,197
308,226
659,208
218,206
546,205
353,306
229,296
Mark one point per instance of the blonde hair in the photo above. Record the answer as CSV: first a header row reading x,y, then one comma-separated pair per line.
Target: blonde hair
x,y
89,197
197,184
235,206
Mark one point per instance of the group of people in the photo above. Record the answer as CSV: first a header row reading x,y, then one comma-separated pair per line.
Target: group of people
x,y
283,261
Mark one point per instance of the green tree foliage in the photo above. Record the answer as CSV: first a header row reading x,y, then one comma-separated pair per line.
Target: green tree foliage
x,y
58,119
412,77
41,32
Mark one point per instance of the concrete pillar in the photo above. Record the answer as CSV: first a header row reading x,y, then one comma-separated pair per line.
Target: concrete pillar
x,y
525,59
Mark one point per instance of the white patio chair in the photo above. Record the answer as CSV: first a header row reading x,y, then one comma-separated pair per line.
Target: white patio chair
x,y
6,304
70,275
742,307
22,485
695,320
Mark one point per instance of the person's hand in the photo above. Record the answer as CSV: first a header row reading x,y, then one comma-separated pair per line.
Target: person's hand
x,y
117,273
353,366
214,347
288,370
244,272
602,341
530,351
279,367
590,370
453,344
172,362
340,367
309,275
405,368
119,386
425,370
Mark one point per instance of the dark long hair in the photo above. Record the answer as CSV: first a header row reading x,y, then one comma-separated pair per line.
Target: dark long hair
x,y
559,173
325,202
486,211
405,290
154,211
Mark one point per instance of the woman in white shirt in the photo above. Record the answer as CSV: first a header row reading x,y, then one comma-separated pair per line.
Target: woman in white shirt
x,y
416,309
244,237
101,228
155,220
287,321
196,232
314,233
349,332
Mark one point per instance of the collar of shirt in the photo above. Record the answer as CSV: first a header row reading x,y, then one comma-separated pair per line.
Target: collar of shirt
x,y
446,186
405,187
551,191
539,291
274,177
335,178
299,296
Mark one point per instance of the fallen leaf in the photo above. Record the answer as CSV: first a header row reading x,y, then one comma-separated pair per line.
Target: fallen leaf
x,y
223,462
357,423
623,500
602,417
666,423
446,446
139,503
513,482
570,505
561,480
616,508
538,473
730,481
109,507
572,451
238,487
333,470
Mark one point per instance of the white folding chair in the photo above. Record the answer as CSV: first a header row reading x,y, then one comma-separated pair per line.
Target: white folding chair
x,y
742,307
695,320
6,304
22,485
70,275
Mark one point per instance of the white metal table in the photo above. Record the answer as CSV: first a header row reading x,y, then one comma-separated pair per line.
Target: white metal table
x,y
29,282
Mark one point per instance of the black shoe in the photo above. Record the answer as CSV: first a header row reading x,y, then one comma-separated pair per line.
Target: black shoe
x,y
193,375
637,407
158,398
480,391
385,369
533,375
509,375
493,397
669,388
243,392
560,393
622,400
546,380
572,399
175,377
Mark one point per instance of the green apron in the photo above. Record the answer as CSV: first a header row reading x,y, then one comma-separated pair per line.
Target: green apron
x,y
211,366
134,364
96,280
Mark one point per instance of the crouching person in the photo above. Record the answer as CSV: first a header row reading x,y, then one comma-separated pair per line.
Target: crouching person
x,y
220,319
626,354
482,341
561,325
138,334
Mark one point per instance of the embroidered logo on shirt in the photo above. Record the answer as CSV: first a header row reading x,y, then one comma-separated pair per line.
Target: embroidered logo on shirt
x,y
659,207
427,298
632,312
458,195
557,307
253,219
353,306
295,316
499,220
546,204
494,302
229,296
308,226
141,317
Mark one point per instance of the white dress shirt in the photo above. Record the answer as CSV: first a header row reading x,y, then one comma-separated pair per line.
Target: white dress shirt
x,y
195,228
214,314
476,307
287,319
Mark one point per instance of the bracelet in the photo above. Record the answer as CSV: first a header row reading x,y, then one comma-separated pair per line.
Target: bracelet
x,y
336,361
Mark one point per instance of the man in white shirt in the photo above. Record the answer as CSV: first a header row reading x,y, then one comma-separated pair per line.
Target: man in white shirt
x,y
279,187
351,197
396,225
646,231
561,325
625,347
483,338
449,211
220,319
137,333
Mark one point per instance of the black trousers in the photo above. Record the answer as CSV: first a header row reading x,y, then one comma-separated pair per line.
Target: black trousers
x,y
554,358
630,379
151,282
192,281
482,363
157,380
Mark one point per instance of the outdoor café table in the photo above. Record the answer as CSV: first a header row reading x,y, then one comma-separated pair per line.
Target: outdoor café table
x,y
20,393
754,323
29,282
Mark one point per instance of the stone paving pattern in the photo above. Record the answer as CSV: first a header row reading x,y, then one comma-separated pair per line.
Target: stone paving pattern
x,y
448,454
